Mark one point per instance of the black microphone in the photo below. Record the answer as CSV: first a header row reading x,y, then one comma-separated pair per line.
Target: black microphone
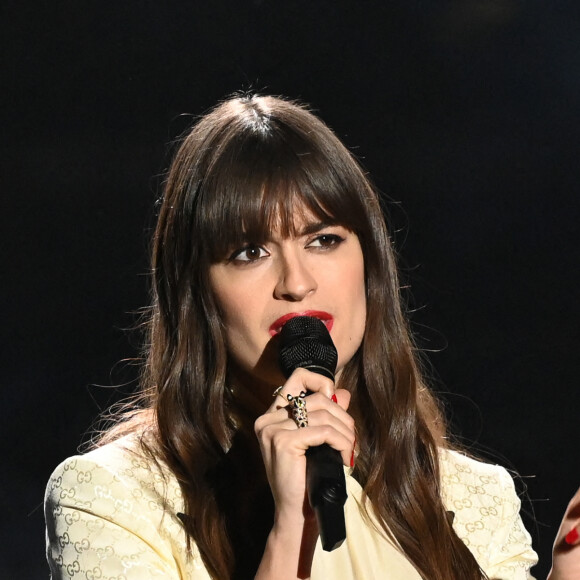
x,y
305,342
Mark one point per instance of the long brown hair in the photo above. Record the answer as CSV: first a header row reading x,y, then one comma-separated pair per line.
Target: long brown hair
x,y
249,161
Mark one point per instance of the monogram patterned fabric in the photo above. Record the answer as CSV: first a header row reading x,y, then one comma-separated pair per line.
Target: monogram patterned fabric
x,y
487,516
112,514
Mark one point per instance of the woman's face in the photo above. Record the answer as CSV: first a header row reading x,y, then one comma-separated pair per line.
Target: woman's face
x,y
258,287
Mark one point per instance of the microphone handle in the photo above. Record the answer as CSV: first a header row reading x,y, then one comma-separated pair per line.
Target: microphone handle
x,y
326,487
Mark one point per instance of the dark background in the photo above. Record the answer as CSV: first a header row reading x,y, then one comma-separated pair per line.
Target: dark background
x,y
466,113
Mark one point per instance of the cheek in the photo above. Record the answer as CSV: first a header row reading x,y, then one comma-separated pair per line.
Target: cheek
x,y
235,333
354,304
240,312
358,291
233,316
227,302
359,315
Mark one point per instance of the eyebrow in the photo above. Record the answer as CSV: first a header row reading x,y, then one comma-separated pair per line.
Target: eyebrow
x,y
314,227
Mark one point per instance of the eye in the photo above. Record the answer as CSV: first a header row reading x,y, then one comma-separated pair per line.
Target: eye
x,y
325,241
249,253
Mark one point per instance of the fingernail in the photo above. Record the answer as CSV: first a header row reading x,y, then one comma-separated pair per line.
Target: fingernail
x,y
352,455
572,536
334,399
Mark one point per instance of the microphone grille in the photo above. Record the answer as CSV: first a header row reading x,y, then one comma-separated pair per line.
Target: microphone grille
x,y
306,343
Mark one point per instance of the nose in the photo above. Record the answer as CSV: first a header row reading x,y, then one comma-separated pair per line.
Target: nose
x,y
295,280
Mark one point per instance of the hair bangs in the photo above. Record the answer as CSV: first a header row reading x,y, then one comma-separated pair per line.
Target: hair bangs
x,y
266,188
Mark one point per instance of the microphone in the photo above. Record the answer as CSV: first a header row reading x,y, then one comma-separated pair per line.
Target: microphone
x,y
305,342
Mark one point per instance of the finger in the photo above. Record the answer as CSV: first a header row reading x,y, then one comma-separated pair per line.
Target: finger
x,y
330,413
320,434
323,417
327,412
312,382
304,380
281,442
342,398
280,417
279,412
329,409
573,536
570,527
320,412
280,399
280,420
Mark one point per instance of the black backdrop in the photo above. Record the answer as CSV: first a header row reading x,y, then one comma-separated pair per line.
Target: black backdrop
x,y
465,113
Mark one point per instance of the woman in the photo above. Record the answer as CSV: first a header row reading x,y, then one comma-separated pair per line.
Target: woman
x,y
266,216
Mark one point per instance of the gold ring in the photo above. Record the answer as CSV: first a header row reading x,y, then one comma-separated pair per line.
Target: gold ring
x,y
278,391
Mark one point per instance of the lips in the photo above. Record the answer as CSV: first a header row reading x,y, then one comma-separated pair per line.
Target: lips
x,y
325,317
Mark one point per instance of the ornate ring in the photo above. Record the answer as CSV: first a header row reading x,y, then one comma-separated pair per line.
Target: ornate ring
x,y
299,412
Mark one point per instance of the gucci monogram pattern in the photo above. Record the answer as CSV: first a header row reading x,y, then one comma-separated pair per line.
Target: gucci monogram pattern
x,y
487,508
112,515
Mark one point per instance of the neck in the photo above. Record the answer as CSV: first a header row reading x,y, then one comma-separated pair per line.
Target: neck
x,y
252,396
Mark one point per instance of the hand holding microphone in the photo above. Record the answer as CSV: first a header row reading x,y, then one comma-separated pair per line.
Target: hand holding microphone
x,y
306,343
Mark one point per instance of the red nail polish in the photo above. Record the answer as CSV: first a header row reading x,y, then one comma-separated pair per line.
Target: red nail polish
x,y
352,455
572,536
334,399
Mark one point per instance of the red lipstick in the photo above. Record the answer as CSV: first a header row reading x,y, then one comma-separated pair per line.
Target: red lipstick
x,y
325,317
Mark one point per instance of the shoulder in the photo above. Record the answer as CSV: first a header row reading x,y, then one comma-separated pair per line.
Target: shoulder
x,y
115,512
474,488
116,507
119,458
114,479
461,475
456,466
486,512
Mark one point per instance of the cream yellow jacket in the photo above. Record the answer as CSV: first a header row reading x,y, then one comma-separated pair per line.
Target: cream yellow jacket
x,y
112,515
